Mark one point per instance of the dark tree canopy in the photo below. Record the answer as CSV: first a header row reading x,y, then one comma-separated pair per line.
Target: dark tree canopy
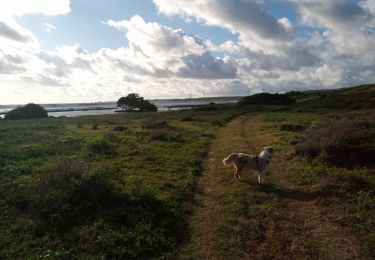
x,y
27,111
134,101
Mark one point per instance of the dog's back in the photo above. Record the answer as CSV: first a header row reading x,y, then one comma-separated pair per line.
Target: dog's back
x,y
240,159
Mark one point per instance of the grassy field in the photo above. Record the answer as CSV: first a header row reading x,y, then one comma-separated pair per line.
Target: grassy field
x,y
311,208
152,185
116,186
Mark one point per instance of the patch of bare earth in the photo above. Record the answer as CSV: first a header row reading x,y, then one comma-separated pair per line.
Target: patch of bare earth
x,y
281,220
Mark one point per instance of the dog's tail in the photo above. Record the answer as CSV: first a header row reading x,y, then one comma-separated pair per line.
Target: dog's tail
x,y
227,161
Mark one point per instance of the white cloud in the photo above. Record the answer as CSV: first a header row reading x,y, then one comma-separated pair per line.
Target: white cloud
x,y
49,27
165,52
46,7
160,61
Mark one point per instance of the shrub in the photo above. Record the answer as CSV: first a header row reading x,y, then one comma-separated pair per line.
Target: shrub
x,y
187,119
268,99
26,112
292,127
120,128
100,145
160,134
343,143
154,124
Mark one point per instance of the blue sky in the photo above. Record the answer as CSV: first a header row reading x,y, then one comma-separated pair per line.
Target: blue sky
x,y
84,25
84,51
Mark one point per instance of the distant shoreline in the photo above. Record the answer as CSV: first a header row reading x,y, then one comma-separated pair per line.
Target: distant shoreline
x,y
79,109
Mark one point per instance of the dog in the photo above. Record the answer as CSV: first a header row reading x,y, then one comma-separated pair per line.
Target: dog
x,y
258,163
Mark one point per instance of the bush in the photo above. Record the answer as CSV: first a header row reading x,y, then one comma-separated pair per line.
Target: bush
x,y
27,112
100,145
292,127
268,99
154,124
344,143
120,128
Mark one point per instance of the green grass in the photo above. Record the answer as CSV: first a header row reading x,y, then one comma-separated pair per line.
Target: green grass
x,y
117,186
131,186
338,178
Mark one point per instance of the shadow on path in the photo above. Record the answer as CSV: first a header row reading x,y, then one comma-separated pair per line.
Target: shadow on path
x,y
283,192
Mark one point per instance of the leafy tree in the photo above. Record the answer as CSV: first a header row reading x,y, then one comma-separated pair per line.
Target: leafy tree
x,y
134,101
29,111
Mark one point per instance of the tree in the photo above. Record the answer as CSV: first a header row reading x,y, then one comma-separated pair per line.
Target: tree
x,y
25,112
133,101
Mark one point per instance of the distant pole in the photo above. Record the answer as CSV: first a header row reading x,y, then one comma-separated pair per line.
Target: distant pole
x,y
190,96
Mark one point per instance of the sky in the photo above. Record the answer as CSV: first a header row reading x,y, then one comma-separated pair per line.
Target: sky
x,y
64,51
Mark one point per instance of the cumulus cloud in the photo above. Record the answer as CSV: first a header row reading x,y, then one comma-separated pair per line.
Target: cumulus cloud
x,y
337,50
239,16
348,26
270,54
46,7
162,51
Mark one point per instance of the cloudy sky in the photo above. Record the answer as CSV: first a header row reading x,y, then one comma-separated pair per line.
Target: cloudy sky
x,y
55,51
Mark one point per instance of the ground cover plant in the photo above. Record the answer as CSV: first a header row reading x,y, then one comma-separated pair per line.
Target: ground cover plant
x,y
116,186
332,159
152,185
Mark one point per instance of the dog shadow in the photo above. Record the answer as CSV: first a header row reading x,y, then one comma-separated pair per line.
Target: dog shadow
x,y
287,193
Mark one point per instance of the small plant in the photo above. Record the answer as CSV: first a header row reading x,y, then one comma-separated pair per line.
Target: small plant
x,y
100,145
80,125
120,128
292,127
159,134
187,119
95,126
154,124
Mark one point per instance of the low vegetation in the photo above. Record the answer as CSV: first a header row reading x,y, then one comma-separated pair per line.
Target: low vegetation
x,y
130,186
122,189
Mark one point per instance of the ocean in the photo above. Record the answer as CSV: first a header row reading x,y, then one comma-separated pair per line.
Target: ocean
x,y
105,108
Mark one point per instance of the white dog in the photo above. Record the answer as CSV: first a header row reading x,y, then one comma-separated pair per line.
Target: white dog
x,y
254,162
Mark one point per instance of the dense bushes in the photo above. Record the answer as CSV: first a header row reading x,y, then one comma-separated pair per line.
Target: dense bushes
x,y
25,112
343,143
268,99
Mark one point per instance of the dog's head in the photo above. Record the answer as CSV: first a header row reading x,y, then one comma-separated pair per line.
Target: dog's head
x,y
268,149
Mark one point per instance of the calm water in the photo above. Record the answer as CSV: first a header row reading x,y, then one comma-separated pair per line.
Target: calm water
x,y
105,108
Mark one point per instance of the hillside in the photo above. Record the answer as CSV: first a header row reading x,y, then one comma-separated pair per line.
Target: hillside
x,y
153,185
362,96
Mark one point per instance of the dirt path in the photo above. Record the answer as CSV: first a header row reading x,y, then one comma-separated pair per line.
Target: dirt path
x,y
243,220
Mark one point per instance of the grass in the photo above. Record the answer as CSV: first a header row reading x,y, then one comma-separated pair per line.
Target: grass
x,y
116,186
310,210
153,186
332,162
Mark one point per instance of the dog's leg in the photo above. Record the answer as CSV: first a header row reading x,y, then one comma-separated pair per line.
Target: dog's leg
x,y
262,176
259,178
238,172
